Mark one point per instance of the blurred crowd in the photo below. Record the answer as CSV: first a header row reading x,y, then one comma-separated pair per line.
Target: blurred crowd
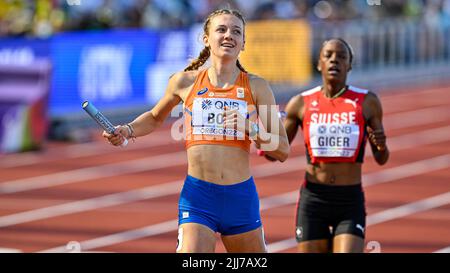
x,y
45,17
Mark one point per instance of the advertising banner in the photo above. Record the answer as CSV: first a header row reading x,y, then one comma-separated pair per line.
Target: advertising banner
x,y
107,68
279,51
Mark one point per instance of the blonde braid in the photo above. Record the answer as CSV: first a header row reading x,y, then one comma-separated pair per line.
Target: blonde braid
x,y
201,59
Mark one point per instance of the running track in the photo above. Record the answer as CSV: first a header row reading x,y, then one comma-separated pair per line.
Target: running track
x,y
125,200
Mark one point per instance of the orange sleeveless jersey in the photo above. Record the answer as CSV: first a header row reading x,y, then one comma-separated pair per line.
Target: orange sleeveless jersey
x,y
334,129
204,107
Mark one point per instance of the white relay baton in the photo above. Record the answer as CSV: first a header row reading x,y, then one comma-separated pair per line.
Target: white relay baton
x,y
100,119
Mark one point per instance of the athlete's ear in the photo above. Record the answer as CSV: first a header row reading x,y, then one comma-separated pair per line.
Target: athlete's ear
x,y
205,40
318,67
319,62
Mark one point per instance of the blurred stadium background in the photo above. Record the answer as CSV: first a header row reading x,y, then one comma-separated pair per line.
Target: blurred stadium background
x,y
119,54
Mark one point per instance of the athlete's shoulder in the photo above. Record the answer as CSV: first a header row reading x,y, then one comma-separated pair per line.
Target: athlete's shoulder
x,y
257,80
311,91
259,84
371,97
372,100
372,105
183,79
296,99
295,107
358,90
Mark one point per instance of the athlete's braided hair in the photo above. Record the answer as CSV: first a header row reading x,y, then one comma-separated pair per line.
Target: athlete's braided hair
x,y
205,53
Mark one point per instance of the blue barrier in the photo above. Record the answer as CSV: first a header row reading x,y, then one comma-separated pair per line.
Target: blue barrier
x,y
107,68
114,69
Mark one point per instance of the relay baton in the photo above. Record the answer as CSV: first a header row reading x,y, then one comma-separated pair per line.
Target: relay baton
x,y
100,119
282,115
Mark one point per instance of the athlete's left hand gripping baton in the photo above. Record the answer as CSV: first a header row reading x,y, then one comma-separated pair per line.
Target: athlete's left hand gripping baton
x,y
101,119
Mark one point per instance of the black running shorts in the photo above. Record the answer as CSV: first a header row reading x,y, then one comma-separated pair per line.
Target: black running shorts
x,y
324,211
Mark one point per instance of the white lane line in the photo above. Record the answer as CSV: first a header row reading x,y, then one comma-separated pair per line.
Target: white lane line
x,y
96,172
408,209
392,120
403,142
444,250
164,227
262,170
416,118
9,250
92,203
386,95
418,139
411,140
122,237
425,100
283,199
158,138
399,172
163,161
383,216
110,200
66,177
82,150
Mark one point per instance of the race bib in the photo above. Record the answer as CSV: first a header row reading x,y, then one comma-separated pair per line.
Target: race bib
x,y
333,139
207,116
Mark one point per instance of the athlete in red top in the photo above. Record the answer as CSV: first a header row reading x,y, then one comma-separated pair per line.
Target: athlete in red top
x,y
336,120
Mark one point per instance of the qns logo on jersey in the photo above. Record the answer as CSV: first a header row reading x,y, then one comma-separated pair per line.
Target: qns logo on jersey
x,y
322,129
202,91
206,104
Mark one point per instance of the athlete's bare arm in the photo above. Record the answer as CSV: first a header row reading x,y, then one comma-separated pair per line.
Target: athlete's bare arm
x,y
148,121
274,132
373,113
294,116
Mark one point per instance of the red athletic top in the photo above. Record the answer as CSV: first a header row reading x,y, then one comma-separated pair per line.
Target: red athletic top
x,y
204,107
334,129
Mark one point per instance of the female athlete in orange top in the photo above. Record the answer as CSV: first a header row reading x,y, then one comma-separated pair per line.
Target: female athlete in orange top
x,y
219,102
336,120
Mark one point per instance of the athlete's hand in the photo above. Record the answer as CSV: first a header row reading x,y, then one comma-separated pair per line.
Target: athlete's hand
x,y
262,153
118,137
232,119
268,157
377,138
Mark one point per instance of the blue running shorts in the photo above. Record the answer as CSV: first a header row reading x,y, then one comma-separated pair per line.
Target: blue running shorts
x,y
227,209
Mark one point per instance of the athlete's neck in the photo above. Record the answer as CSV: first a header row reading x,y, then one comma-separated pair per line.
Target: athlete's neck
x,y
223,74
332,90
